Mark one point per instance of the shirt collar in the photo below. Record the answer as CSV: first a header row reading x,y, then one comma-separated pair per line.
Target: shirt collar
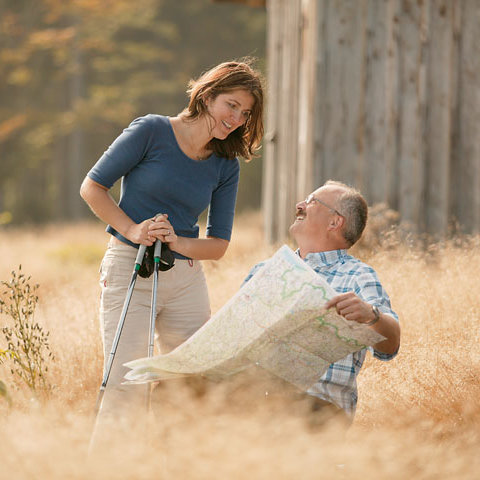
x,y
325,258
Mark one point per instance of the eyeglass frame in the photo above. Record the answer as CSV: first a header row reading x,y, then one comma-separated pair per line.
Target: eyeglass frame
x,y
312,198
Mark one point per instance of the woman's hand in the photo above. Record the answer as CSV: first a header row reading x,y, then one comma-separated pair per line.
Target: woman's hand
x,y
103,205
209,248
161,228
140,233
148,231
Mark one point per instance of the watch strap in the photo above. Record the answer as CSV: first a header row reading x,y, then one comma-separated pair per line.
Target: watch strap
x,y
376,312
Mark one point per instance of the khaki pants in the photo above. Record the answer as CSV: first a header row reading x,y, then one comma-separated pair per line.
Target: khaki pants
x,y
182,308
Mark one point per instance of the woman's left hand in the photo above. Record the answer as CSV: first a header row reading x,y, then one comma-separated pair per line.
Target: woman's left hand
x,y
162,229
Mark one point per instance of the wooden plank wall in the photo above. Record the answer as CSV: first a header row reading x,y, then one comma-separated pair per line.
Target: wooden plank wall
x,y
380,94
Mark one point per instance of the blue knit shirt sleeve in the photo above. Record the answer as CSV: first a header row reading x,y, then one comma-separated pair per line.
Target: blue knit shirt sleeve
x,y
222,205
124,153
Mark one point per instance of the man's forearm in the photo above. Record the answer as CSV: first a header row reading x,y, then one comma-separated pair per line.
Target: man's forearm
x,y
390,329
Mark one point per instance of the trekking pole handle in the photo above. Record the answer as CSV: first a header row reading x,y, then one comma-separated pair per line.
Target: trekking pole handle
x,y
158,251
141,253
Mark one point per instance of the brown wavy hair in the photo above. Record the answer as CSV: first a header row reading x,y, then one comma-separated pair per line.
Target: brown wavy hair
x,y
226,77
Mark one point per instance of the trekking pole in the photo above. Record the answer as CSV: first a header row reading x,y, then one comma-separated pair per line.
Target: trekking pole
x,y
151,337
108,368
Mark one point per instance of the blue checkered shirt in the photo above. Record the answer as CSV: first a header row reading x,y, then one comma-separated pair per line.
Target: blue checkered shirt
x,y
345,273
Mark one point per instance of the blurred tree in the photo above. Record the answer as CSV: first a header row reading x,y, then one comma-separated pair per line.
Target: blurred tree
x,y
74,74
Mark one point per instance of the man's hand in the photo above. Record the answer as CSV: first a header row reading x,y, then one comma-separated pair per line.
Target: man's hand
x,y
354,308
351,307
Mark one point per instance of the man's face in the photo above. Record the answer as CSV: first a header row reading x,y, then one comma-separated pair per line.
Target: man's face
x,y
314,214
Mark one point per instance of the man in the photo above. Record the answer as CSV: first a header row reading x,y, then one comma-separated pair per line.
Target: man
x,y
328,222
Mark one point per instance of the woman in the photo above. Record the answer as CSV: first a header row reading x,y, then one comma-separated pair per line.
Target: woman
x,y
177,167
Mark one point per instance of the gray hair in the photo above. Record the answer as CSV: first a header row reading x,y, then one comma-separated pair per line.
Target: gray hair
x,y
354,209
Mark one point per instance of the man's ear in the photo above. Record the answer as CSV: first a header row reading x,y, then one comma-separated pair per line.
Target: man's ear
x,y
336,222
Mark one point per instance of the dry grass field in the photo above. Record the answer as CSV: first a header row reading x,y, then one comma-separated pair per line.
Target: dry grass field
x,y
418,416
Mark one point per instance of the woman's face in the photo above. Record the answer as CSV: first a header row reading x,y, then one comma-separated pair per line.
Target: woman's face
x,y
229,110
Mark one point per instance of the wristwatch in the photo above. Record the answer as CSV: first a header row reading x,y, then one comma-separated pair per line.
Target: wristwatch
x,y
376,312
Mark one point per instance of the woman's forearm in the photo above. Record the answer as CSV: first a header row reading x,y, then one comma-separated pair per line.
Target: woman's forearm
x,y
210,248
104,206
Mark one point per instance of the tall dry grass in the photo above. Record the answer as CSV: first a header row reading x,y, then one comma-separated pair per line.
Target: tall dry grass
x,y
418,416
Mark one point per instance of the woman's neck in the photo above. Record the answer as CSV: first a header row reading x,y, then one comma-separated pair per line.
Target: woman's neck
x,y
193,136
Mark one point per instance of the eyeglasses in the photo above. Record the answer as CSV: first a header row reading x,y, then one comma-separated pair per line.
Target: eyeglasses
x,y
312,198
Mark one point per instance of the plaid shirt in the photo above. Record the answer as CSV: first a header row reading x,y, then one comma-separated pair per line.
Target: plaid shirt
x,y
345,273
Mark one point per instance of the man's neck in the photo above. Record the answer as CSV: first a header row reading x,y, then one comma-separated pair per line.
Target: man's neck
x,y
305,248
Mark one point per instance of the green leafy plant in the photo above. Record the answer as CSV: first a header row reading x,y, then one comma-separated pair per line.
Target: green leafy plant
x,y
27,343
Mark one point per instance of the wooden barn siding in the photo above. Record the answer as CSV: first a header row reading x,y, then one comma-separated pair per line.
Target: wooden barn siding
x,y
381,94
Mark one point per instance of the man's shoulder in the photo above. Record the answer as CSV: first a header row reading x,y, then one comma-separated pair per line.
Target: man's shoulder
x,y
337,259
362,271
360,264
252,271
